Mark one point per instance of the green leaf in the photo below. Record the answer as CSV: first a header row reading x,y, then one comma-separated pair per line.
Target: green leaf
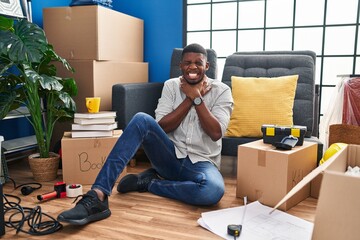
x,y
70,86
6,102
4,66
54,56
50,83
67,101
26,44
6,23
31,74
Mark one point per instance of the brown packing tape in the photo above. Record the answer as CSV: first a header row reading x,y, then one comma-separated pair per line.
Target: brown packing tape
x,y
97,143
262,158
258,193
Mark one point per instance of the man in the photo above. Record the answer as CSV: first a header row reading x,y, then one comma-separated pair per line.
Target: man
x,y
183,144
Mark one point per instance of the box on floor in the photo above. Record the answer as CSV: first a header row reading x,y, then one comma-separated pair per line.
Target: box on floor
x,y
96,78
338,208
267,175
82,158
94,32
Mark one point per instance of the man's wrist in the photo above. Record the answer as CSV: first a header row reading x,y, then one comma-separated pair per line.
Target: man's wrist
x,y
197,101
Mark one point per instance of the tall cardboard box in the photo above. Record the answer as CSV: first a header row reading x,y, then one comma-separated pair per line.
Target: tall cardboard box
x,y
267,175
82,158
337,212
96,78
94,32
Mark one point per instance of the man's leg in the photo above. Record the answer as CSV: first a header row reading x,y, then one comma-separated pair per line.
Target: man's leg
x,y
142,129
91,208
197,184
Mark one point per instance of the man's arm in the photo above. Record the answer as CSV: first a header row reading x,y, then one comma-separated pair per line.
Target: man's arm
x,y
209,123
172,121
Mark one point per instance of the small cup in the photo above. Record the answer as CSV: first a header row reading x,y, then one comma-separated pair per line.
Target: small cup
x,y
93,104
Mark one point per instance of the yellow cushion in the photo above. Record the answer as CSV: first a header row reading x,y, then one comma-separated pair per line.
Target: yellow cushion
x,y
260,101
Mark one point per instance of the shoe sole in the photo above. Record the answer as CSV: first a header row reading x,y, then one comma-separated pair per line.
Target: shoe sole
x,y
91,218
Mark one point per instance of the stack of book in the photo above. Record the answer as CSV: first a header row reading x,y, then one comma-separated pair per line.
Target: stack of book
x,y
99,124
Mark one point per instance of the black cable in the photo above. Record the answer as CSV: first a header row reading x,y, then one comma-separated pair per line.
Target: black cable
x,y
26,188
19,215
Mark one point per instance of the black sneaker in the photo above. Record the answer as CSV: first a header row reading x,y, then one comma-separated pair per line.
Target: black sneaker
x,y
137,182
88,209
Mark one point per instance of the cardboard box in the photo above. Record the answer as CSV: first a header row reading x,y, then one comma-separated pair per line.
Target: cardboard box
x,y
82,158
96,78
338,208
275,133
95,33
315,185
267,175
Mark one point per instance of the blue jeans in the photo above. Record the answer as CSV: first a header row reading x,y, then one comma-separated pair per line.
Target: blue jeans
x,y
198,184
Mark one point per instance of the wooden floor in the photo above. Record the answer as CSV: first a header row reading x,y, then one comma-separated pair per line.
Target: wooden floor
x,y
134,215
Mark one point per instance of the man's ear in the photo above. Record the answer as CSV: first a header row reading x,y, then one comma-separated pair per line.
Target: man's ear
x,y
207,66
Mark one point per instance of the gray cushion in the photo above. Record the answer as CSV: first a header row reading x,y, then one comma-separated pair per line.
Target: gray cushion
x,y
129,99
275,64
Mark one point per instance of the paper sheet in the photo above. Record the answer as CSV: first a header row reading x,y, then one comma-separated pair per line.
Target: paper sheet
x,y
258,223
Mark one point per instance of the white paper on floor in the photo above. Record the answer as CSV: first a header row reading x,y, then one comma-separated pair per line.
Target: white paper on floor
x,y
258,224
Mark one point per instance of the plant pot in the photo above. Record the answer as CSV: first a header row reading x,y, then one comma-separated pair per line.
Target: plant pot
x,y
44,169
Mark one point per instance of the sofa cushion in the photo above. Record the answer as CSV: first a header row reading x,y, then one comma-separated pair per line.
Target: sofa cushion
x,y
259,101
275,64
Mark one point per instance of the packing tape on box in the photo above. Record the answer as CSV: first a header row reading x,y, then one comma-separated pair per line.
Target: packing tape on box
x,y
74,190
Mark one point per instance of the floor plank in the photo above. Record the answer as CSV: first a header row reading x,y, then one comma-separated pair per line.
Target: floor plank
x,y
134,215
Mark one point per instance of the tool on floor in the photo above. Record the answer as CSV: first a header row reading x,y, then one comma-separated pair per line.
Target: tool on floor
x,y
74,190
59,192
235,229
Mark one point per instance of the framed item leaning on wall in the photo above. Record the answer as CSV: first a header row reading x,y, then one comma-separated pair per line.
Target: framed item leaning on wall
x,y
11,8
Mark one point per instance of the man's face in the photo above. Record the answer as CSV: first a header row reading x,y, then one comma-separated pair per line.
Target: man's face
x,y
193,67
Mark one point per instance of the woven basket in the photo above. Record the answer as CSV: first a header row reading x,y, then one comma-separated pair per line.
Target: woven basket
x,y
44,169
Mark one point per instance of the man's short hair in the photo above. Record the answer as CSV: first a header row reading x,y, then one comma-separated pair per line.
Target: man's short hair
x,y
194,48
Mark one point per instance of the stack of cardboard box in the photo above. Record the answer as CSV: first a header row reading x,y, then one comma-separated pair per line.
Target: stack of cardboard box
x,y
104,47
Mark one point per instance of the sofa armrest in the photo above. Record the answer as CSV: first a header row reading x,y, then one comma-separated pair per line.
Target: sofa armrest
x,y
129,99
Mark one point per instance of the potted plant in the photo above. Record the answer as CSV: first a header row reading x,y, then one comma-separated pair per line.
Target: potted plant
x,y
28,78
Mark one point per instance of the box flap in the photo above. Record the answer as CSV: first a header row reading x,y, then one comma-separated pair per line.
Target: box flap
x,y
337,211
307,179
